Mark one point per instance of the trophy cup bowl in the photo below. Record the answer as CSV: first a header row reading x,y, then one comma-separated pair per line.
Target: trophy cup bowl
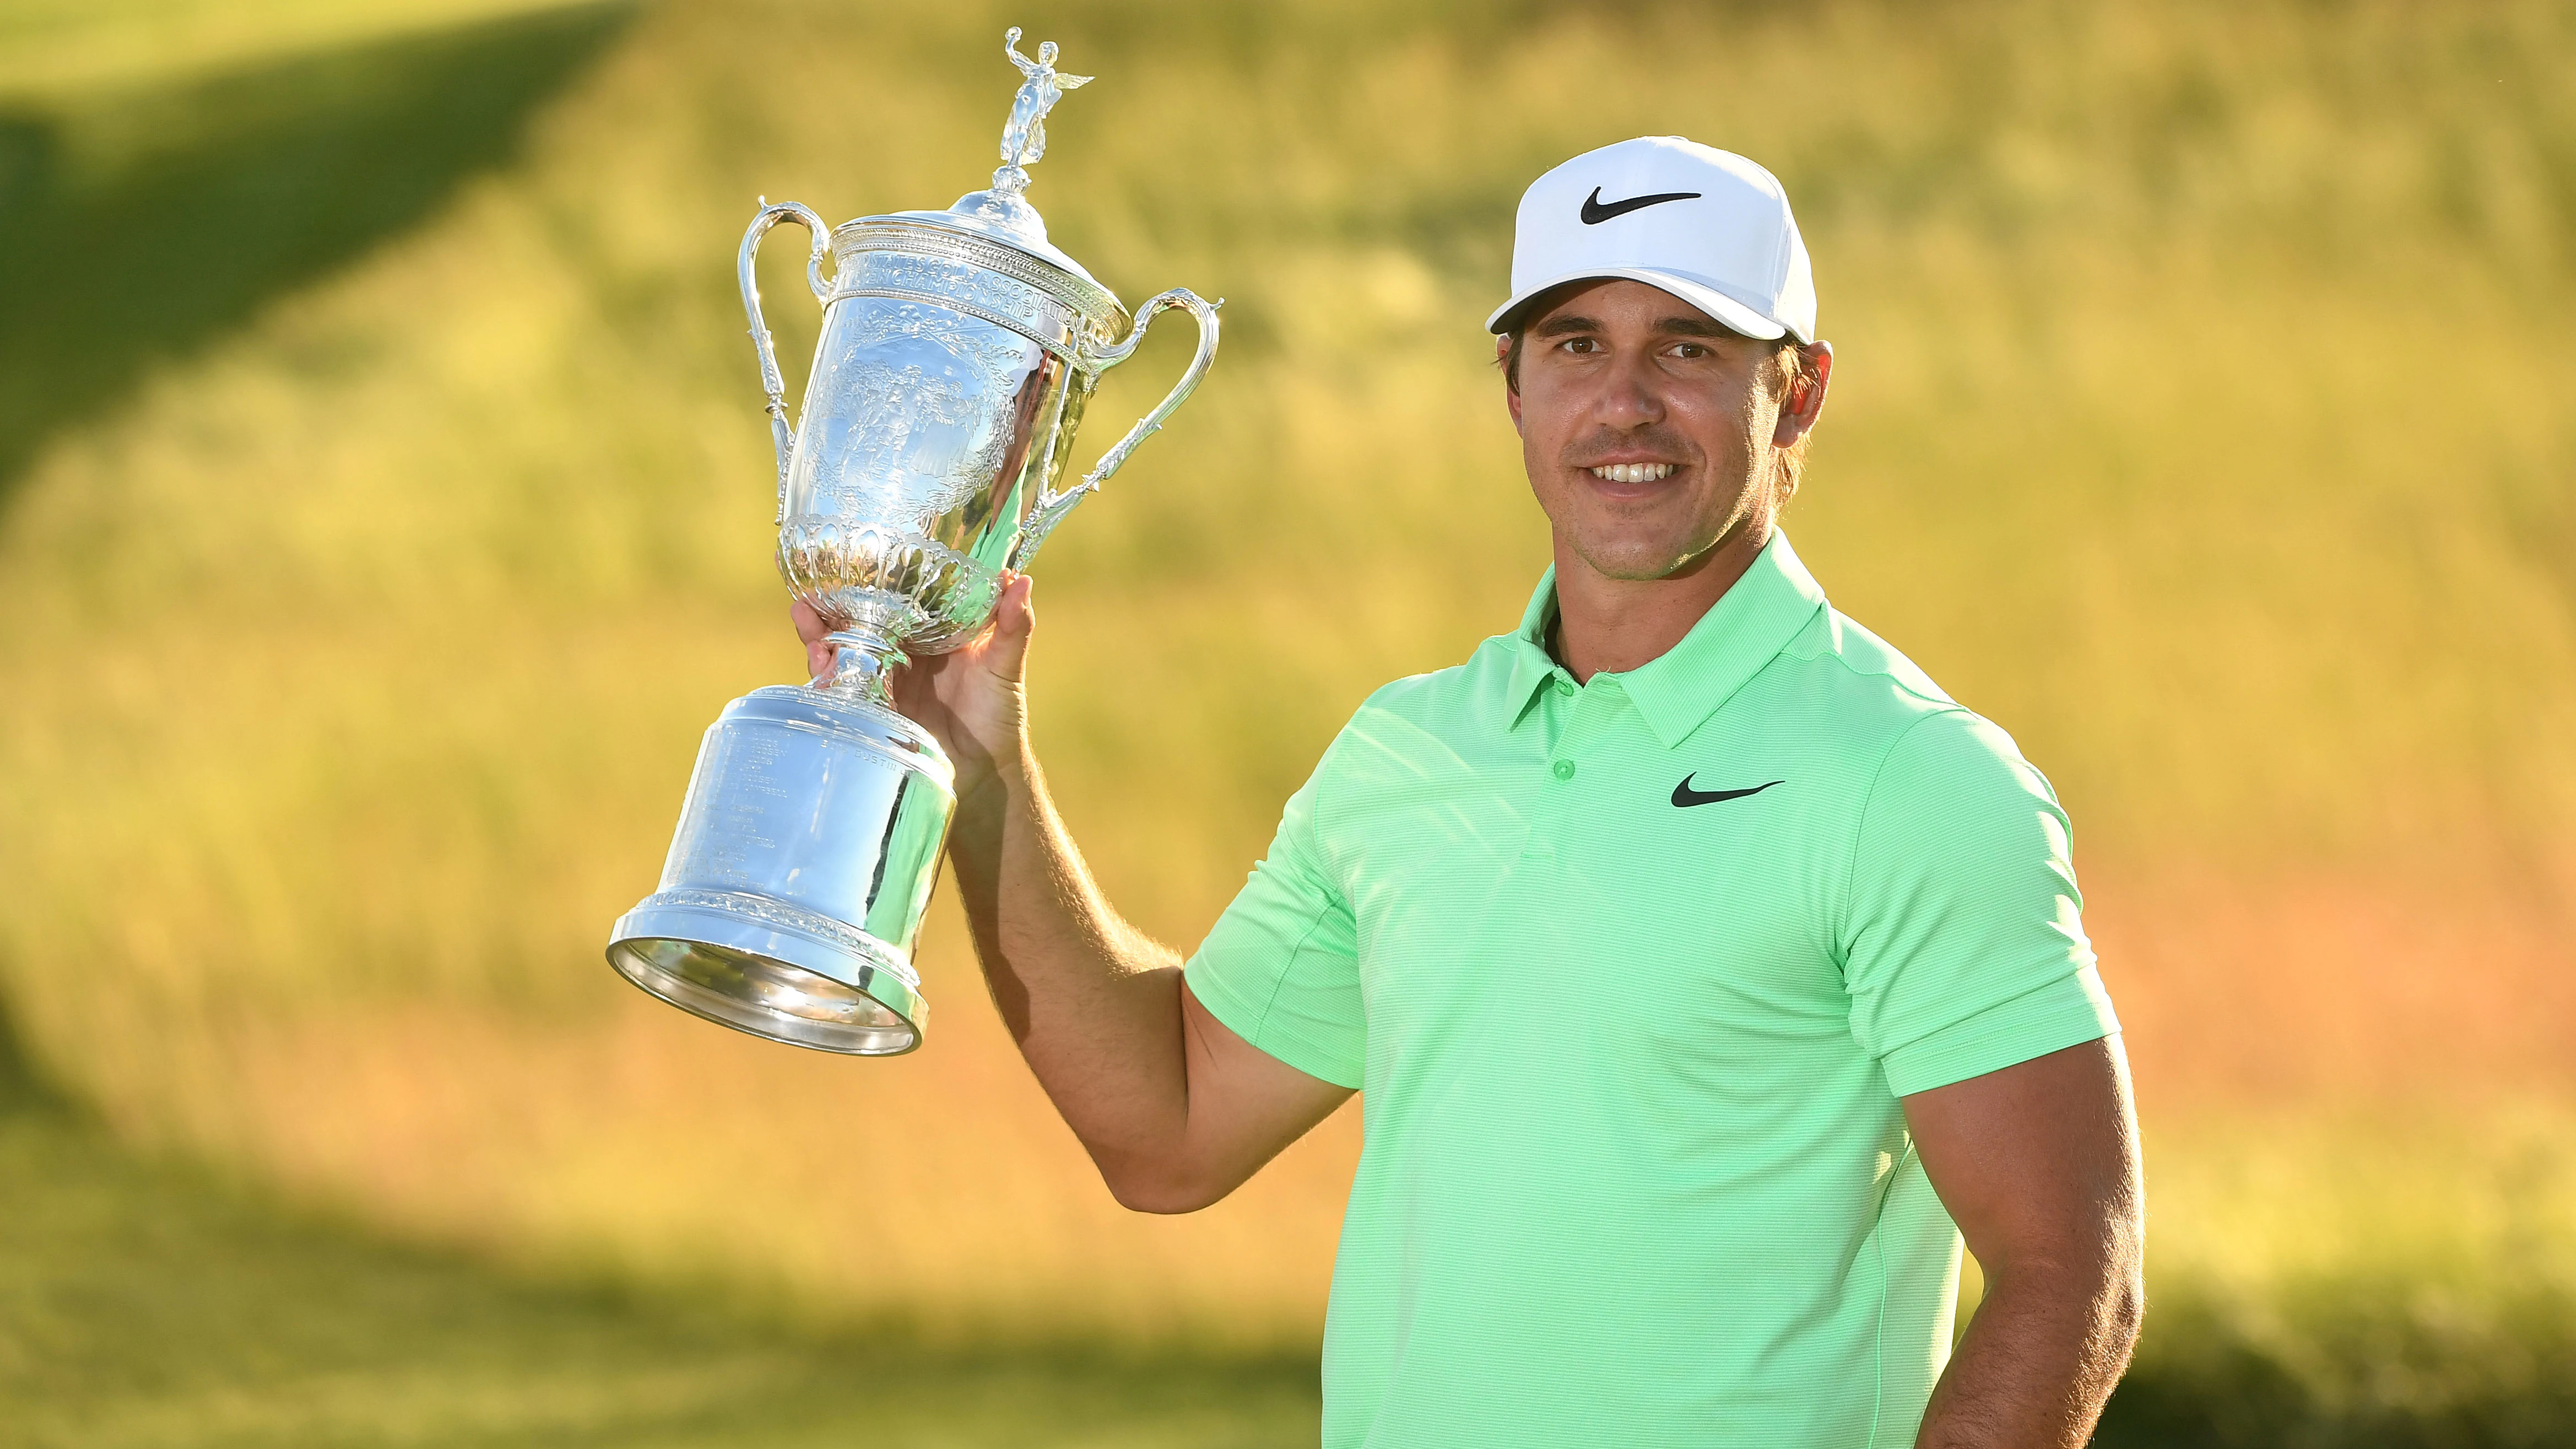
x,y
957,352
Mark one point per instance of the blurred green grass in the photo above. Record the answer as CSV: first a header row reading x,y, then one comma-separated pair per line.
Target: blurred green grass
x,y
381,518
2388,1277
2419,1293
147,1304
2369,1284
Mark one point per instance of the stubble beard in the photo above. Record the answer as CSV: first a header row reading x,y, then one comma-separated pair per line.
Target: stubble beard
x,y
1641,560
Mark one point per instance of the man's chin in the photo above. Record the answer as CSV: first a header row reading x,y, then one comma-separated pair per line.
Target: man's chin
x,y
1638,565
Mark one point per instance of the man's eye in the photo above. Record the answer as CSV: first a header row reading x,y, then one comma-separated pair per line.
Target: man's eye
x,y
1581,344
1690,349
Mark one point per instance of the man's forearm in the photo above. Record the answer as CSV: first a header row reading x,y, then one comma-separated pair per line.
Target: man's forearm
x,y
1093,1003
2038,1360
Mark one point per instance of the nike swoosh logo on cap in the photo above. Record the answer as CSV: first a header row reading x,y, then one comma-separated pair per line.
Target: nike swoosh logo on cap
x,y
1683,794
1595,213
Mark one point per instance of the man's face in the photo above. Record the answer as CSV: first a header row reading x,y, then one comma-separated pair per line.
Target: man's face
x,y
1647,428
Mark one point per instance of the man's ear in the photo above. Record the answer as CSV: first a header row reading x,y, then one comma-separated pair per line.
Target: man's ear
x,y
1511,394
1806,395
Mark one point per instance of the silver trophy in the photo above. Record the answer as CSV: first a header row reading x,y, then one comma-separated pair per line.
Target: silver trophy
x,y
958,350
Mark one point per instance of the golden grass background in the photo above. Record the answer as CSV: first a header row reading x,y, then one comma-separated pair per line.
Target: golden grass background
x,y
2200,415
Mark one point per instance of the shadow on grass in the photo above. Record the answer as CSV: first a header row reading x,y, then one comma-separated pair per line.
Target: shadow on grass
x,y
21,1089
146,1304
138,226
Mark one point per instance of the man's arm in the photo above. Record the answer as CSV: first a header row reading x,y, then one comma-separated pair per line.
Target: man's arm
x,y
1174,1108
2038,1164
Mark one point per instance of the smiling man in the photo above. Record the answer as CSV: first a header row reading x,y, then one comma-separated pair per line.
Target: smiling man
x,y
1707,970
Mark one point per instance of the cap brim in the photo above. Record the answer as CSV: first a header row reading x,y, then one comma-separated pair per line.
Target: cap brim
x,y
1728,312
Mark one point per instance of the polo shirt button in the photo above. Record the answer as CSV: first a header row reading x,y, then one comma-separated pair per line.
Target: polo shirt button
x,y
1565,769
1565,686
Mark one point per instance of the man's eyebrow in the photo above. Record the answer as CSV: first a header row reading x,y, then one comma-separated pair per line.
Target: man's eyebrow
x,y
1673,326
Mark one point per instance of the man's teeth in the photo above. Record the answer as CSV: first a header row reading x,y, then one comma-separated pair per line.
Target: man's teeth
x,y
1632,472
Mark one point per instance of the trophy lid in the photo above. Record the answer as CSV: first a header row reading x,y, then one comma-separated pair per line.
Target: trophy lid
x,y
993,216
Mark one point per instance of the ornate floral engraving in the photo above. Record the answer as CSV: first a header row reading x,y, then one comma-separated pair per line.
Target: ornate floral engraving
x,y
956,287
839,566
857,245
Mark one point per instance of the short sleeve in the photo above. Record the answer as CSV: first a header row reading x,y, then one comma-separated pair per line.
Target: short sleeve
x,y
1963,942
1281,966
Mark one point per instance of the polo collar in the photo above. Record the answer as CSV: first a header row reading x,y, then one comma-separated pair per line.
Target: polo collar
x,y
1678,690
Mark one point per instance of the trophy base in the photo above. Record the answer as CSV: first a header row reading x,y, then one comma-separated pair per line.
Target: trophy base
x,y
794,891
757,973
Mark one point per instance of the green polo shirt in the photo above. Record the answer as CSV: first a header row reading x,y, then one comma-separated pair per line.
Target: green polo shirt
x,y
1632,974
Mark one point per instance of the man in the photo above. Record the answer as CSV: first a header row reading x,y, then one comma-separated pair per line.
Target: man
x,y
1701,961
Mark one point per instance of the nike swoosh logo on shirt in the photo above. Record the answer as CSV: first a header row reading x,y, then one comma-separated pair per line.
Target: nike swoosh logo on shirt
x,y
1595,212
1684,795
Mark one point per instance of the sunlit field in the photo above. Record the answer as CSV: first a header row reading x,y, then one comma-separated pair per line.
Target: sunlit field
x,y
384,510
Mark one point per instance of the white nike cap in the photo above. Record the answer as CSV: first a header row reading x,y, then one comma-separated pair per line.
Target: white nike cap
x,y
1706,225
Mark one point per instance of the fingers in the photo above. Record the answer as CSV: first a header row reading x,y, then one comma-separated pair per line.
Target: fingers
x,y
1017,612
1002,650
810,628
1005,651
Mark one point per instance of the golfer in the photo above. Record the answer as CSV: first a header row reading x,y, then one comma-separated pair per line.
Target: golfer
x,y
1702,962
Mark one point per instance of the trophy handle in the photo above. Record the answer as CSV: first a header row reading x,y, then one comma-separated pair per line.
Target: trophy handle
x,y
1052,507
781,432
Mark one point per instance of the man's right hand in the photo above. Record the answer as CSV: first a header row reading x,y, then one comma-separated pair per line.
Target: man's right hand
x,y
1174,1107
969,698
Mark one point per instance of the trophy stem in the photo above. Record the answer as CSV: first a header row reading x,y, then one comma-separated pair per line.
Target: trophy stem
x,y
863,665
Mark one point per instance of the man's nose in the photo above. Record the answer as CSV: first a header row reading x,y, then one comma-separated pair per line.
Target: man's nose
x,y
1631,395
